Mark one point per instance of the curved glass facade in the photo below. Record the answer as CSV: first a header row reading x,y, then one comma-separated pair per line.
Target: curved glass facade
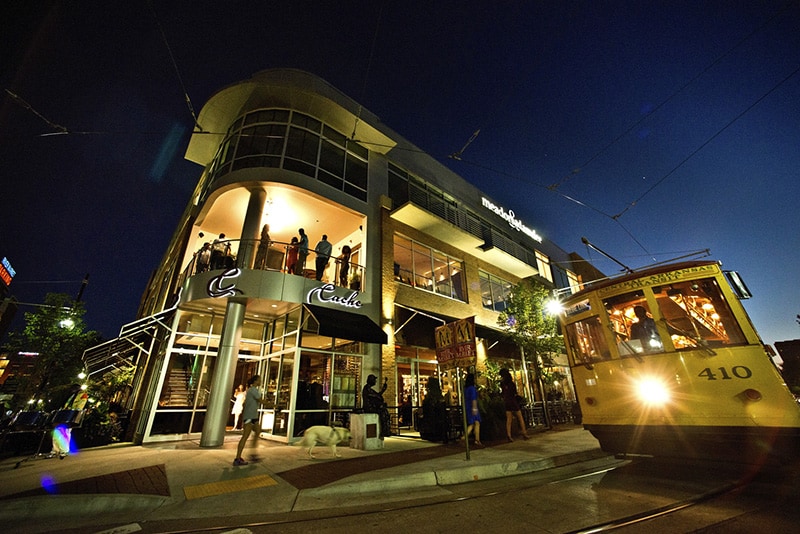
x,y
293,141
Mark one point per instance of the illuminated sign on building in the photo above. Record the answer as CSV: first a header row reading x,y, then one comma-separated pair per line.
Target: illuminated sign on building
x,y
6,271
215,288
512,221
324,293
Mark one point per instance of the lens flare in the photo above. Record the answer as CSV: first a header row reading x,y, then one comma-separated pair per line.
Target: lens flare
x,y
652,391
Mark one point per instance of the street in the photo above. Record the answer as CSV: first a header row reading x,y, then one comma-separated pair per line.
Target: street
x,y
641,495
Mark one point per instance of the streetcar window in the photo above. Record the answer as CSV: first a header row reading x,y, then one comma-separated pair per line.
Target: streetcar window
x,y
586,341
634,328
697,315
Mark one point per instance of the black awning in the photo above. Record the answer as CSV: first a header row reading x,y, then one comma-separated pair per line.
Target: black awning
x,y
345,325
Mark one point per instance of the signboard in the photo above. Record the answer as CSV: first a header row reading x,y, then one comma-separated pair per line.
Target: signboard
x,y
455,344
6,271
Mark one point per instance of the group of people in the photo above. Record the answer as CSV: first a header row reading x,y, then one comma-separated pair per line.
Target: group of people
x,y
247,403
298,252
216,254
433,409
213,255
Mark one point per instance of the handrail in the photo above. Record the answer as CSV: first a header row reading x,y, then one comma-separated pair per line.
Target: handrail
x,y
270,255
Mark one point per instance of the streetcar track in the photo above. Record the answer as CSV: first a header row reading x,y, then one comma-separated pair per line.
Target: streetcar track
x,y
659,512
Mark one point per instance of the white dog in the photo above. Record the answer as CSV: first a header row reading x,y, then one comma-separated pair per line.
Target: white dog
x,y
324,435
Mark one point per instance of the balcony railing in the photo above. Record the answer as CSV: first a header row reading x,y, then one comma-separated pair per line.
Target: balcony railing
x,y
272,256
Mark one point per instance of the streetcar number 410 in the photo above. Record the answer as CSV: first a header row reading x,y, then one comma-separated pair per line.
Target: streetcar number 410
x,y
738,371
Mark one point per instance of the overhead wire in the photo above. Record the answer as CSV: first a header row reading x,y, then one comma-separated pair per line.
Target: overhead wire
x,y
605,148
367,73
59,129
709,140
175,66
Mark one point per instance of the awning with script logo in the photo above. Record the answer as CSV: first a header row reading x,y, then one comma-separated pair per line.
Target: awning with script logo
x,y
345,325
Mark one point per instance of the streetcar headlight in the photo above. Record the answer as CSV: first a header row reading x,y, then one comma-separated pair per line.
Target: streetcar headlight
x,y
652,391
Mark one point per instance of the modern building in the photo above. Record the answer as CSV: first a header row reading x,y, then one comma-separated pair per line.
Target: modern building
x,y
286,151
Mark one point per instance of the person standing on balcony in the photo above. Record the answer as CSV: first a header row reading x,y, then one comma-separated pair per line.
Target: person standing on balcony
x,y
263,249
218,251
344,265
291,256
323,252
302,253
203,258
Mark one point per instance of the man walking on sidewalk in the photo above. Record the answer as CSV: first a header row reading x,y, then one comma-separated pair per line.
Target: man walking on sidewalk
x,y
251,418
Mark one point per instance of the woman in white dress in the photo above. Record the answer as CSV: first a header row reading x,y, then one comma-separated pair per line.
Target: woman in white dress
x,y
238,405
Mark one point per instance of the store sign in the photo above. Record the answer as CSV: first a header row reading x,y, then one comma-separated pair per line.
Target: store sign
x,y
455,344
6,271
326,294
216,289
511,219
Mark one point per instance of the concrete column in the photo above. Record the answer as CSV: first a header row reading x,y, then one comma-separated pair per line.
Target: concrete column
x,y
219,401
251,229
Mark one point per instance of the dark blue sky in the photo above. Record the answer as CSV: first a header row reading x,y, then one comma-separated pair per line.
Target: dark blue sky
x,y
683,117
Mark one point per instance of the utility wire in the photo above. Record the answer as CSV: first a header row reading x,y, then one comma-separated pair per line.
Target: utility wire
x,y
369,68
175,66
59,130
670,97
698,149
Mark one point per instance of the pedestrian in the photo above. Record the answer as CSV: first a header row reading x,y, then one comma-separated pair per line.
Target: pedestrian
x,y
263,249
203,258
323,252
219,250
511,403
250,416
302,253
473,413
344,265
238,405
291,256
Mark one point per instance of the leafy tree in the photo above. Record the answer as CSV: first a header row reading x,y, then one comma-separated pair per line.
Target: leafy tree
x,y
528,324
55,333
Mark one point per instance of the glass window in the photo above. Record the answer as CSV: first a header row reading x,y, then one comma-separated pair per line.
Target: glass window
x,y
423,271
306,122
356,173
543,265
420,266
346,380
585,339
311,148
302,145
697,315
331,159
632,322
494,291
403,269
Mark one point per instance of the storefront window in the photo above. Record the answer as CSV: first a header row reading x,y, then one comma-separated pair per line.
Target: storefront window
x,y
494,291
425,268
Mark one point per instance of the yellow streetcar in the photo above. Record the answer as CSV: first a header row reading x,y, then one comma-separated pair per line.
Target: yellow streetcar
x,y
666,362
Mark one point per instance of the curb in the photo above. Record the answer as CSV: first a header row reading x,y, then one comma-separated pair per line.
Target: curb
x,y
33,508
445,477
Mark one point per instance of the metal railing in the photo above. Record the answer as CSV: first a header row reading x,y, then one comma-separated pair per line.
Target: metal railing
x,y
272,256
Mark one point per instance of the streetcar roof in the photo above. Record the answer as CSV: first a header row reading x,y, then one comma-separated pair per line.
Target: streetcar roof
x,y
640,273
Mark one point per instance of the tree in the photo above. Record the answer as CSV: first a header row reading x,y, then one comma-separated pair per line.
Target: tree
x,y
54,336
528,324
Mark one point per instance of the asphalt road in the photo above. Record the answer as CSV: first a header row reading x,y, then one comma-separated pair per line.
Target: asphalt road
x,y
641,495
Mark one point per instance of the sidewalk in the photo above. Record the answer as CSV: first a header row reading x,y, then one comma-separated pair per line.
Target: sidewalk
x,y
181,480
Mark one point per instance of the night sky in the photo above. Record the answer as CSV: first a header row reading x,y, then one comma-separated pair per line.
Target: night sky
x,y
652,129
